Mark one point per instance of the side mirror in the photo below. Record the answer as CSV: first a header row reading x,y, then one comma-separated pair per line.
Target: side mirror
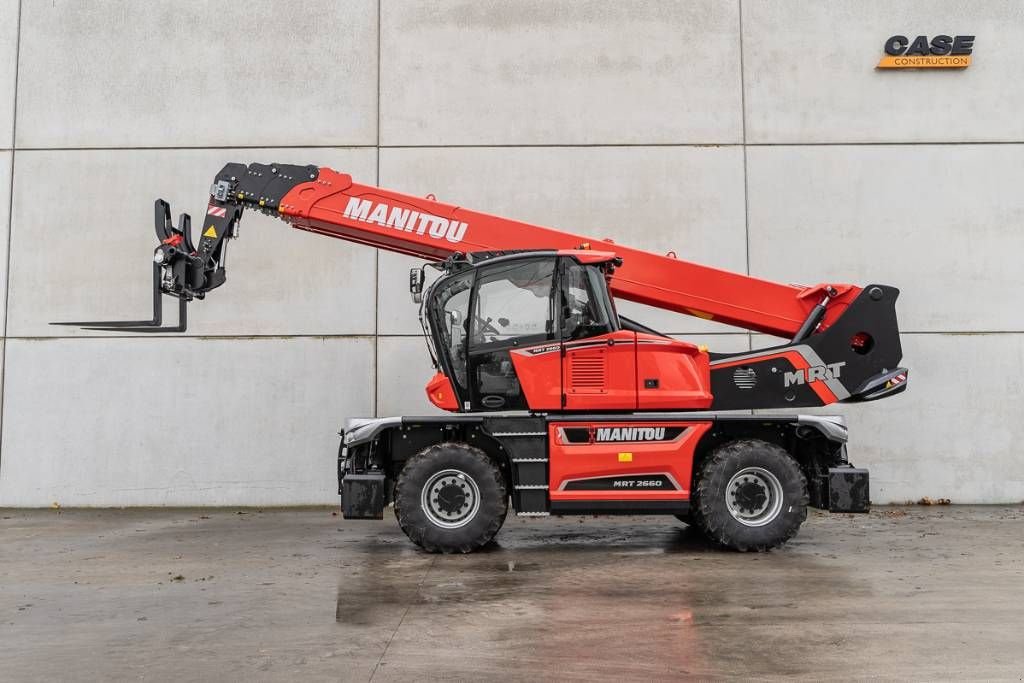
x,y
416,284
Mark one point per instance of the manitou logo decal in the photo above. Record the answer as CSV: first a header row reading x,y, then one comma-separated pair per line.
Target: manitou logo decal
x,y
630,434
813,374
405,220
941,52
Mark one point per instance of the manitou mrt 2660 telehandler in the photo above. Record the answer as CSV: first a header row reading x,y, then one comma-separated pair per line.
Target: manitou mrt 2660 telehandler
x,y
561,405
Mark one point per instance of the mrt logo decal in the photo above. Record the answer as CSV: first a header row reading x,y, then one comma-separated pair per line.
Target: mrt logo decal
x,y
813,374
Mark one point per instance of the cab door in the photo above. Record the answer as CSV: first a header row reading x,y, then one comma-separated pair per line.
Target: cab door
x,y
598,359
512,308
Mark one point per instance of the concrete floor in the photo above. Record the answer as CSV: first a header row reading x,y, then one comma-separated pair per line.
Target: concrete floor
x,y
907,593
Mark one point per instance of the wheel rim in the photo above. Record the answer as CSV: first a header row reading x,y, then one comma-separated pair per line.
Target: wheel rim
x,y
450,499
754,496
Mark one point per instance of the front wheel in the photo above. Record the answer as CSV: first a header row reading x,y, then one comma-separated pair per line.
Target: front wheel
x,y
450,498
749,495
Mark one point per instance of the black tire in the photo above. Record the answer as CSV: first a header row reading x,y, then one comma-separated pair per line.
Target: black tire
x,y
445,519
763,513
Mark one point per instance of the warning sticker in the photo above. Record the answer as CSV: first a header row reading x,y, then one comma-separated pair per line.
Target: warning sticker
x,y
218,211
210,232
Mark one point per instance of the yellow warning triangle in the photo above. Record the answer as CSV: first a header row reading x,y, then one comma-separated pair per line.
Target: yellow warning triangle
x,y
210,232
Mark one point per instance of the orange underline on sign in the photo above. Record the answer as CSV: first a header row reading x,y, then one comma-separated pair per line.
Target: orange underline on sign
x,y
925,62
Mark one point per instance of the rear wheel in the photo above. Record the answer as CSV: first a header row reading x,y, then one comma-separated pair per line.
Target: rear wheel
x,y
749,495
450,498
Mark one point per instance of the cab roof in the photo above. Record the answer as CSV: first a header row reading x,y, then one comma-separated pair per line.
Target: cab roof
x,y
584,256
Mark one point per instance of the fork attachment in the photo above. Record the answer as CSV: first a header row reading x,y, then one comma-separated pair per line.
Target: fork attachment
x,y
188,271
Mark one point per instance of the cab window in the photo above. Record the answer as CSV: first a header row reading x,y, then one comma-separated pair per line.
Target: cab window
x,y
585,307
513,301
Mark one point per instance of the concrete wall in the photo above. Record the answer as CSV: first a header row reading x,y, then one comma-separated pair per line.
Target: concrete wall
x,y
746,134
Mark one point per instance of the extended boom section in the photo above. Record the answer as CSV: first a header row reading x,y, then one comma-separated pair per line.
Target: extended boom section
x,y
333,204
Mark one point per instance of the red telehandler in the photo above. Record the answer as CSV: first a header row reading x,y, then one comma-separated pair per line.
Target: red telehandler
x,y
559,405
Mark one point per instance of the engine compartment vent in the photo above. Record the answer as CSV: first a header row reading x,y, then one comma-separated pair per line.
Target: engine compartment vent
x,y
587,371
744,378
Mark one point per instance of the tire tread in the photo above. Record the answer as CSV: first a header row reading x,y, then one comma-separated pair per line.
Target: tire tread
x,y
711,517
406,506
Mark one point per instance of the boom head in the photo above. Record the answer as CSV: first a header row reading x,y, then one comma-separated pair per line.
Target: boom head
x,y
185,271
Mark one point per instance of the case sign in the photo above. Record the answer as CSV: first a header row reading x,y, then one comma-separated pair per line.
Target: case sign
x,y
939,52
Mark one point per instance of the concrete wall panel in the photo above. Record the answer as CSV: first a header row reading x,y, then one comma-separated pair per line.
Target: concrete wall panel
x,y
939,222
8,69
955,432
686,199
809,72
86,254
563,72
403,370
596,117
110,422
5,224
203,73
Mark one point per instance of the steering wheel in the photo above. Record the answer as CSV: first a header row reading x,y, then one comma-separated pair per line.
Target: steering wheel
x,y
484,326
